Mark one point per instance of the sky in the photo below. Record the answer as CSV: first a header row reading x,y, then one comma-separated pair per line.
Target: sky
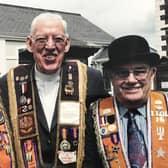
x,y
116,17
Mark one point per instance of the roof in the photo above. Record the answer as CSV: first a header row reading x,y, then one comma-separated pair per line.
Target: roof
x,y
15,23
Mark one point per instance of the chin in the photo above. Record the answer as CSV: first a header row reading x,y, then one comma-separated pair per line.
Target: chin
x,y
133,98
51,69
133,103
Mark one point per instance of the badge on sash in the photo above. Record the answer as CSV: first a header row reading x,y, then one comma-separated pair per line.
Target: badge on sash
x,y
67,157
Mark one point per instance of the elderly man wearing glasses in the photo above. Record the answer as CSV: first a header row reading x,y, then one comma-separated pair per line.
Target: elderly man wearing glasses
x,y
47,102
131,125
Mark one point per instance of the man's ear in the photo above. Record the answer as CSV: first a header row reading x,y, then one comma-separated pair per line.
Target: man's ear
x,y
67,45
154,70
29,43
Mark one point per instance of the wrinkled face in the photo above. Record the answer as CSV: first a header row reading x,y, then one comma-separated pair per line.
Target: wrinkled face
x,y
132,84
48,43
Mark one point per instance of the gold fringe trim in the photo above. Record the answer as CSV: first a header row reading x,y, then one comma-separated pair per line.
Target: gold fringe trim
x,y
14,118
82,98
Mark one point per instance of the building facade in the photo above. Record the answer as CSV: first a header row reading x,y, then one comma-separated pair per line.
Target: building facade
x,y
86,37
162,26
162,43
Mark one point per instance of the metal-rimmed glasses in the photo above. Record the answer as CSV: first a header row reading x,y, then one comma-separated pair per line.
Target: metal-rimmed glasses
x,y
41,41
138,72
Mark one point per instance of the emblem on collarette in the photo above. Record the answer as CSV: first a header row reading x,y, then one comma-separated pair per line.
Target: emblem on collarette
x,y
26,125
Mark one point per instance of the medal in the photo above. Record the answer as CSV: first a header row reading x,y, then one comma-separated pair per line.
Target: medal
x,y
28,100
111,119
69,87
22,100
2,121
24,87
103,131
75,141
64,145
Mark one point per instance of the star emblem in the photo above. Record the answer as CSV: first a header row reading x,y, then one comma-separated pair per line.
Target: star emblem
x,y
160,153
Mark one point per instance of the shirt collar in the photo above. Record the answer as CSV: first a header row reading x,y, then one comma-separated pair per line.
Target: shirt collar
x,y
123,111
47,77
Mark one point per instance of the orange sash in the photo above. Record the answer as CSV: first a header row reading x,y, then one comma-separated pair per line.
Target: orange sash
x,y
109,139
7,159
159,130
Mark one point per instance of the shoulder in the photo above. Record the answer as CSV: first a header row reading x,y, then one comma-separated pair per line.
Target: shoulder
x,y
108,100
94,74
3,79
91,70
165,93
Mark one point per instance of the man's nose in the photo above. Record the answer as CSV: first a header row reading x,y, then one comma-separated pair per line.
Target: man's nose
x,y
131,77
50,43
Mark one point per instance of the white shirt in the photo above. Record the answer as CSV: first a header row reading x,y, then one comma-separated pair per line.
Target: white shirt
x,y
47,85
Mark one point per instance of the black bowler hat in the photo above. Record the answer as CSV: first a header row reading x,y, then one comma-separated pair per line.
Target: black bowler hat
x,y
130,49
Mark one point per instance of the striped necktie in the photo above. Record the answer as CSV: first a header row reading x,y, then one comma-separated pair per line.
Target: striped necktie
x,y
137,153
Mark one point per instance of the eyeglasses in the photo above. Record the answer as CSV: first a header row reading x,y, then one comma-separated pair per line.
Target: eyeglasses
x,y
41,41
139,73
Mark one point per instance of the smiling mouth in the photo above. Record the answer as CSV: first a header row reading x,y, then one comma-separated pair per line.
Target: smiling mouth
x,y
130,89
50,56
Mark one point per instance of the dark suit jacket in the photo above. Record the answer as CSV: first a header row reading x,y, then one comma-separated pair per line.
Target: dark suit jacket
x,y
95,90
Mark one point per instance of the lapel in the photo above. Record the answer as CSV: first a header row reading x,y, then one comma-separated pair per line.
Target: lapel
x,y
54,119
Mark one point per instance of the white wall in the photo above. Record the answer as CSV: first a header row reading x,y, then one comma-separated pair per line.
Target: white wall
x,y
10,54
2,56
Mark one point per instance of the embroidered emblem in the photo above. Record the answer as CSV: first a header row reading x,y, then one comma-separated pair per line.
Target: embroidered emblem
x,y
158,102
160,153
67,157
26,125
160,132
69,88
112,128
30,154
106,111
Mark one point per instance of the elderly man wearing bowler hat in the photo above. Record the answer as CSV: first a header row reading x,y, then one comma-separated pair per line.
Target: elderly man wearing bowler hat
x,y
131,125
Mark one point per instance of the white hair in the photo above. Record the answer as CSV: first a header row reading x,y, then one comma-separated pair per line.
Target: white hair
x,y
44,16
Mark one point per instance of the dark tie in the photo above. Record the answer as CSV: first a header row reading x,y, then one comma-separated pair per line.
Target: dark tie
x,y
137,153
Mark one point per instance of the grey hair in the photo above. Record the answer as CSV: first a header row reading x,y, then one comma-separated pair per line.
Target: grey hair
x,y
45,15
